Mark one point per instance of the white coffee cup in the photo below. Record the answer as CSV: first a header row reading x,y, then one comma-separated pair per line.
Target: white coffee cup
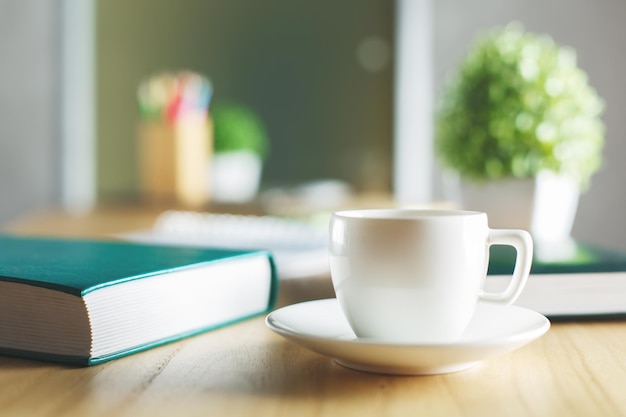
x,y
416,276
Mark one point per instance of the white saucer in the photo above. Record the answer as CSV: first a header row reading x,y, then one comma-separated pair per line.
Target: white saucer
x,y
321,327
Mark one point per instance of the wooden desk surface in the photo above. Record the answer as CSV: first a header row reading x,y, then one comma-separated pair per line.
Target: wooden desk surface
x,y
576,369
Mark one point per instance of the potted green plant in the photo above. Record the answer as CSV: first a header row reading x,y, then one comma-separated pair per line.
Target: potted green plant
x,y
519,112
240,146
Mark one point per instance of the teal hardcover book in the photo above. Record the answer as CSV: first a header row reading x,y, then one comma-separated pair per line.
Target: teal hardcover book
x,y
567,280
87,301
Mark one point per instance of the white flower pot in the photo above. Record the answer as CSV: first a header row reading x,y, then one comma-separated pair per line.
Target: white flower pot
x,y
235,176
545,206
555,204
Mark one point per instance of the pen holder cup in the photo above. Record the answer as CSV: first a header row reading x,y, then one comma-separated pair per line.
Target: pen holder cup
x,y
174,158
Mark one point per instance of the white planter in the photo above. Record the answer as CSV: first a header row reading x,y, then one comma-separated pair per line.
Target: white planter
x,y
235,176
545,206
555,204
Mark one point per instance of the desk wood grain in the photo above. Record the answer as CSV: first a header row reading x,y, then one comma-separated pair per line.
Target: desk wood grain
x,y
576,369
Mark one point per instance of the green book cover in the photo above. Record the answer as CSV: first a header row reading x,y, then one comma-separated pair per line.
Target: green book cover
x,y
571,257
88,301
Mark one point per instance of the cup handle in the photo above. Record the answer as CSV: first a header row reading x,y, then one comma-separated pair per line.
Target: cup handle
x,y
523,244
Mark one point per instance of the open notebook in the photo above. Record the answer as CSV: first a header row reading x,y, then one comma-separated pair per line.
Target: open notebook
x,y
299,248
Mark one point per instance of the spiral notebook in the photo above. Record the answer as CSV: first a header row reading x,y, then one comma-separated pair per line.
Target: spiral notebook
x,y
299,248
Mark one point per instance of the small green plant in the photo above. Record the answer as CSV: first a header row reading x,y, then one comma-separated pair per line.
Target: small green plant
x,y
237,127
519,104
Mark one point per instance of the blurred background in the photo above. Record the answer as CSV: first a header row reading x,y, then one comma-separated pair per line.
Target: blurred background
x,y
332,82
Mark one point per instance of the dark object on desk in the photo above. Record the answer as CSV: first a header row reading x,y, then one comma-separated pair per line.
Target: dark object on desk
x,y
87,302
569,280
